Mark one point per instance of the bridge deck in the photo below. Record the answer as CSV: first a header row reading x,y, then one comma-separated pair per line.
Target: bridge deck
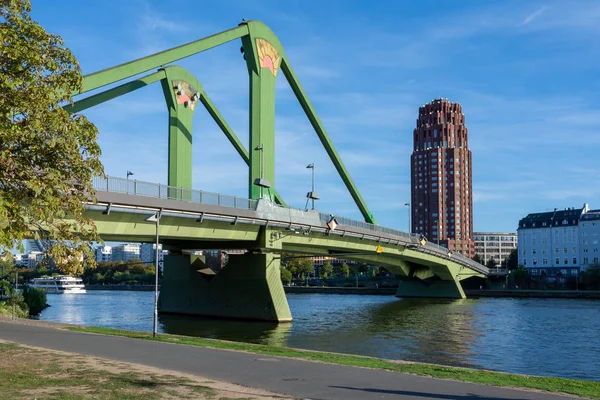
x,y
131,196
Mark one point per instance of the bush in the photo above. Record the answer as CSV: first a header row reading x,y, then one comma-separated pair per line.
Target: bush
x,y
286,276
35,299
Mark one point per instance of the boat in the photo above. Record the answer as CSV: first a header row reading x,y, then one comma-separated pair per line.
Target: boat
x,y
59,284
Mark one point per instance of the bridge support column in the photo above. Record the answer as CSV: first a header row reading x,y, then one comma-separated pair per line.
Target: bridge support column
x,y
431,289
181,96
248,287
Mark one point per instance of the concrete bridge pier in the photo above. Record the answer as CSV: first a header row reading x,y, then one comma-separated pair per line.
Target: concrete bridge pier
x,y
248,287
430,289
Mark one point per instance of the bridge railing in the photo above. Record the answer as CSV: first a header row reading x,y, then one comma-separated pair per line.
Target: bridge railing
x,y
409,237
147,189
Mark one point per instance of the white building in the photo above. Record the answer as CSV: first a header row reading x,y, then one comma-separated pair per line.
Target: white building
x,y
103,253
494,245
559,241
148,252
126,252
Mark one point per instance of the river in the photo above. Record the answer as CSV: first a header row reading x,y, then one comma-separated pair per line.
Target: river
x,y
556,337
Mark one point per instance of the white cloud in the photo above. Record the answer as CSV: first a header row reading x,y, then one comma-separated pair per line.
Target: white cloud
x,y
533,16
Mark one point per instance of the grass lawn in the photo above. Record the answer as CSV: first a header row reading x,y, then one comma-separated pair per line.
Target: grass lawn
x,y
590,389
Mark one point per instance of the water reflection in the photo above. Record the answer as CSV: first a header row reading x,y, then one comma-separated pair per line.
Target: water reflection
x,y
559,337
240,331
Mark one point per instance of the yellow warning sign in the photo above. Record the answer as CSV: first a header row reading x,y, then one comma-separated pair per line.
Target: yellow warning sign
x,y
379,249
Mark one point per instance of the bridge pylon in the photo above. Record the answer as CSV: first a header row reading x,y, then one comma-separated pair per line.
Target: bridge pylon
x,y
249,287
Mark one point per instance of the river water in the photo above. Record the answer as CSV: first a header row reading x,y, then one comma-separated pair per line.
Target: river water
x,y
557,337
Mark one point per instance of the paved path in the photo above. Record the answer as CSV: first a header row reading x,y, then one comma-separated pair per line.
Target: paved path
x,y
302,379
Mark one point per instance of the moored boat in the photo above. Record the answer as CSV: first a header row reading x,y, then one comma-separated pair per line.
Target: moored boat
x,y
59,284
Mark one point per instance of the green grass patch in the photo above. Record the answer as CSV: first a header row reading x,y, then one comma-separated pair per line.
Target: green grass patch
x,y
590,389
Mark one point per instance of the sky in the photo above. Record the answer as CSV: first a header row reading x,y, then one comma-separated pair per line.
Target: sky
x,y
525,73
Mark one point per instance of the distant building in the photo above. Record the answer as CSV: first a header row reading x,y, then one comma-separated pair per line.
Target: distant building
x,y
126,252
559,241
441,194
494,245
148,253
103,253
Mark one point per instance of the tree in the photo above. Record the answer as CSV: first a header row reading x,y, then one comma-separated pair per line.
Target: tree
x,y
286,276
591,276
326,270
345,270
47,156
521,276
491,263
301,266
478,259
363,267
35,299
512,261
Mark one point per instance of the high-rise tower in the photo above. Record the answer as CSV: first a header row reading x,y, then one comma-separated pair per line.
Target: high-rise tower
x,y
441,194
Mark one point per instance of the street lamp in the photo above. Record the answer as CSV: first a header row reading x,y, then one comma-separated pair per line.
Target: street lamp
x,y
408,205
155,218
312,195
261,182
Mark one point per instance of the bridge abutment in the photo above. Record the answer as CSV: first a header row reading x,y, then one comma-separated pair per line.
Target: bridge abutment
x,y
248,287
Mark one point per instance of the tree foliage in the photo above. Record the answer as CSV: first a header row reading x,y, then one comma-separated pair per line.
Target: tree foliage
x,y
478,259
345,270
299,265
491,263
326,270
35,299
286,276
512,261
47,156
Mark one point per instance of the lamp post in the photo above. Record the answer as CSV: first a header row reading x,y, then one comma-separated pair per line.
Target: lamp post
x,y
312,195
13,299
155,218
409,227
261,182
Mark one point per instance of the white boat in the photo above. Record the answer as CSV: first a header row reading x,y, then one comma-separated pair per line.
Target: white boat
x,y
59,284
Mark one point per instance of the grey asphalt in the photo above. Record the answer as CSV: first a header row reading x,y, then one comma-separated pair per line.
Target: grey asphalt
x,y
295,378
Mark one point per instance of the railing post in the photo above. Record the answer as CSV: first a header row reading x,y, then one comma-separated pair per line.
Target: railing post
x,y
201,197
135,188
234,202
218,199
107,186
159,190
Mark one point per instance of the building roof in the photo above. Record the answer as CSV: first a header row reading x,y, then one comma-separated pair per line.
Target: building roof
x,y
567,217
591,215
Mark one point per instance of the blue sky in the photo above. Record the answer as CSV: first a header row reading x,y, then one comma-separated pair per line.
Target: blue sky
x,y
526,74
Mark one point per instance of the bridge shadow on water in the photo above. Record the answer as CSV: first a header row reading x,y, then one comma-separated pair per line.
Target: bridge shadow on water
x,y
268,333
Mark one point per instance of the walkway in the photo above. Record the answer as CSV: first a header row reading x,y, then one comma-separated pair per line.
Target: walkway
x,y
302,379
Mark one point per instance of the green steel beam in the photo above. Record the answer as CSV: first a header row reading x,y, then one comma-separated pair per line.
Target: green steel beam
x,y
231,136
141,65
115,92
320,130
139,83
263,53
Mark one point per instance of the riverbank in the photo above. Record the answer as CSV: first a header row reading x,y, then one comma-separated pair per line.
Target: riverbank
x,y
340,290
291,371
135,288
544,294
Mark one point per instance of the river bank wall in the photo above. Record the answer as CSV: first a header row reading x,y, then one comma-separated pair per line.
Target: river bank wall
x,y
520,293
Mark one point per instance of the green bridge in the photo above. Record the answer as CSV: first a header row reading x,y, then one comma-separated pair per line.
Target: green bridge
x,y
249,287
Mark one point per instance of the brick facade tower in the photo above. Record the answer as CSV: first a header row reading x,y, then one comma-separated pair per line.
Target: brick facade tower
x,y
441,192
